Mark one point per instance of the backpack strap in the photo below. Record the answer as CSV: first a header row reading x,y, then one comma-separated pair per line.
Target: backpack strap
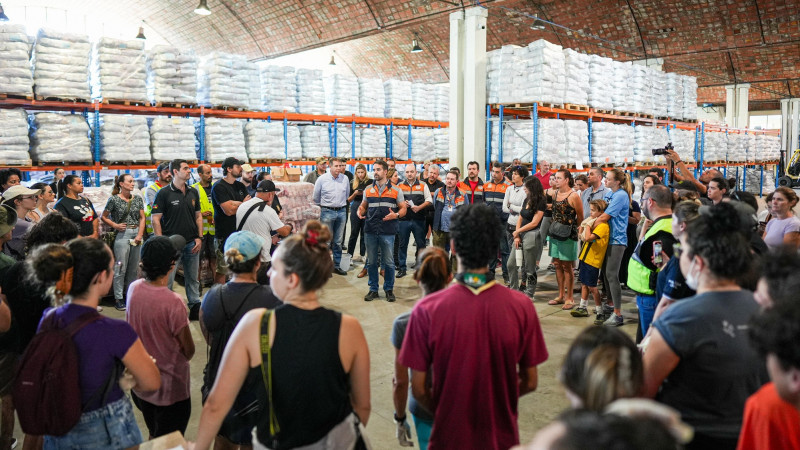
x,y
262,205
266,372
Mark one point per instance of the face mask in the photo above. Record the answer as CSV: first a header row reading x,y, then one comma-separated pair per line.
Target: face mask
x,y
646,210
692,279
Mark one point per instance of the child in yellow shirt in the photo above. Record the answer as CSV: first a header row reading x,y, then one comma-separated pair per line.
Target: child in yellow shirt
x,y
591,260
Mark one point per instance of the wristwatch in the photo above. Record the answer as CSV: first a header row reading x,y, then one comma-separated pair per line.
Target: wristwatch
x,y
399,419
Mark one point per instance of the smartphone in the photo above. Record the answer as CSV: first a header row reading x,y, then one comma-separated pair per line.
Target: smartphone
x,y
657,259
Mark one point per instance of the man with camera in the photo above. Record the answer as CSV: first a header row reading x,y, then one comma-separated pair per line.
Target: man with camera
x,y
682,173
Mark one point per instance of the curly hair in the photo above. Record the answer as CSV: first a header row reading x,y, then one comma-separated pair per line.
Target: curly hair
x,y
718,236
779,270
475,230
776,331
53,228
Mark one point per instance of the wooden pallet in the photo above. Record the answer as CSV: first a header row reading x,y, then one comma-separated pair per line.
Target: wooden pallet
x,y
643,116
62,163
112,101
647,163
602,165
18,97
715,163
61,99
175,105
663,118
623,113
552,105
602,111
571,107
26,163
229,108
123,163
265,161
689,120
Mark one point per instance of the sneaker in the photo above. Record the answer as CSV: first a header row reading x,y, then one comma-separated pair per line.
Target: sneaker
x,y
13,443
579,312
505,279
400,274
194,312
522,287
99,309
119,305
358,258
608,309
339,271
614,320
389,296
600,318
371,295
551,268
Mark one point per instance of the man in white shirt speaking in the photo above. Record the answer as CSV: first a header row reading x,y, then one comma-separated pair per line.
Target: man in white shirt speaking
x,y
257,216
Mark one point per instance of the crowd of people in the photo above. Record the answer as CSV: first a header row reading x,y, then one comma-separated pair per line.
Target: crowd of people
x,y
715,362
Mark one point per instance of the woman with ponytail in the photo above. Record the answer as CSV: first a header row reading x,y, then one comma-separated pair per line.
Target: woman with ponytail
x,y
315,360
699,360
75,207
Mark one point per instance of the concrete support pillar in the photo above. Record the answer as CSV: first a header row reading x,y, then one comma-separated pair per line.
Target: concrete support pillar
x,y
742,105
457,46
785,124
730,105
474,91
794,130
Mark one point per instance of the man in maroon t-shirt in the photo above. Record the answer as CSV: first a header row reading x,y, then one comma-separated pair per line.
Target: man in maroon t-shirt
x,y
544,174
493,330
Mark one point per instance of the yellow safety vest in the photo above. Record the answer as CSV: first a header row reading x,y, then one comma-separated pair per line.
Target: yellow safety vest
x,y
148,209
638,274
205,206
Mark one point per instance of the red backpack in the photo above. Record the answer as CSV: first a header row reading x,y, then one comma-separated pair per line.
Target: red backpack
x,y
47,390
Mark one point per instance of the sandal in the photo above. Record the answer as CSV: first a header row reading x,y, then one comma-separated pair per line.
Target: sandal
x,y
568,305
555,301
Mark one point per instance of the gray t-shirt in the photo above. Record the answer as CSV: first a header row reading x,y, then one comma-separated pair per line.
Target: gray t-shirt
x,y
398,334
718,369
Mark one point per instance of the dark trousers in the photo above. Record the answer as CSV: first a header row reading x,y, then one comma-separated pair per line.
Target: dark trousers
x,y
356,230
161,420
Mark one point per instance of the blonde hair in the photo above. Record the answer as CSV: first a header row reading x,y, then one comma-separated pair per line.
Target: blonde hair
x,y
355,175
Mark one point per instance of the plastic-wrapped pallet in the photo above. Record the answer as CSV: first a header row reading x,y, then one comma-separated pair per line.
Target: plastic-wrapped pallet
x,y
604,142
689,98
398,99
171,75
14,143
621,92
172,138
224,138
373,143
423,144
646,138
684,143
674,95
422,106
626,141
517,140
60,137
601,81
541,74
310,92
441,107
254,98
658,79
492,76
264,140
223,80
641,87
751,145
124,138
576,141
552,146
340,95
770,148
119,70
737,148
279,88
345,139
751,182
315,141
504,67
441,143
400,140
297,200
371,97
576,66
15,65
715,147
61,65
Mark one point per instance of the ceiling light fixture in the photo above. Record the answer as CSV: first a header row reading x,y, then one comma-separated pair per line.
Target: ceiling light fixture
x,y
202,8
415,48
3,16
538,25
333,62
140,36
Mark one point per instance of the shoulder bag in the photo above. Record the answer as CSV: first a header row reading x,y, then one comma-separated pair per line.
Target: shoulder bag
x,y
111,236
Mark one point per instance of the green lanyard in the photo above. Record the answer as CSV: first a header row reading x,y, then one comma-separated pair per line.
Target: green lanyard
x,y
266,373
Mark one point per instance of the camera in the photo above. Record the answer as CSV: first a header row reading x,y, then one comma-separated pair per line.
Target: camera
x,y
663,151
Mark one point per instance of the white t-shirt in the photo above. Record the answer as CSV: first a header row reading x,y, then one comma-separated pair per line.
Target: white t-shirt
x,y
261,223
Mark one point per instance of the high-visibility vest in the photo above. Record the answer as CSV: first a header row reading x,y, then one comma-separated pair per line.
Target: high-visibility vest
x,y
439,200
415,193
466,189
148,208
379,205
638,274
493,194
205,206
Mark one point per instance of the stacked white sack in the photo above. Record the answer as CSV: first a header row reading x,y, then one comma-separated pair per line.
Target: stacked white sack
x,y
310,92
674,95
15,65
398,99
400,142
626,140
684,143
752,181
641,88
577,88
423,144
492,76
689,98
542,73
297,200
751,145
224,138
517,140
172,138
441,141
737,148
502,67
14,143
659,81
373,143
622,92
124,138
171,75
315,141
279,88
60,137
254,98
61,65
223,80
423,101
442,102
576,136
601,80
371,97
264,140
604,142
119,70
769,148
715,147
340,95
345,139
552,146
646,138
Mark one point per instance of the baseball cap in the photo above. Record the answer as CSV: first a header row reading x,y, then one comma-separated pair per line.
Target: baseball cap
x,y
248,243
160,251
8,218
230,161
247,168
266,186
322,159
19,190
684,185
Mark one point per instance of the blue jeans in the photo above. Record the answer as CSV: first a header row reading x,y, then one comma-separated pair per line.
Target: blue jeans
x,y
127,257
335,220
406,228
112,426
424,428
191,264
505,251
647,309
386,244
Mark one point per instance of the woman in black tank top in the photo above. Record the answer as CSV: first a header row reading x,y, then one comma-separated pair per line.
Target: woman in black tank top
x,y
315,359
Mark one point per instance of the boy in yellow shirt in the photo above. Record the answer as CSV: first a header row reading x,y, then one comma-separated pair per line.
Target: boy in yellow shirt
x,y
591,260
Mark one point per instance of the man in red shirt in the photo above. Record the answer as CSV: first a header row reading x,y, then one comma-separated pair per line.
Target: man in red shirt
x,y
473,183
544,174
495,334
